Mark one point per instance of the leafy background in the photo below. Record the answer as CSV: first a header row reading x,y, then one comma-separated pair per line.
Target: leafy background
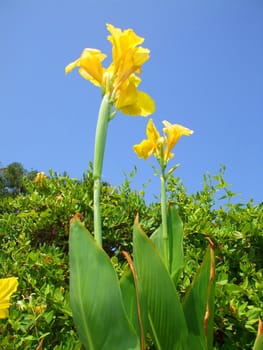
x,y
34,225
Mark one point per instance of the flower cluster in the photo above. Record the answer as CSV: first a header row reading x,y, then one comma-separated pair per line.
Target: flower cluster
x,y
161,146
120,79
119,82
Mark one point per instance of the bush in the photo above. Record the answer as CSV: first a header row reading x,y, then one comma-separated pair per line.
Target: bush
x,y
40,311
34,234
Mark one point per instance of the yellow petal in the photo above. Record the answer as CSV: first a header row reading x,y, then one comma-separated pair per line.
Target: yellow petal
x,y
144,149
127,58
90,65
90,62
129,63
143,105
4,313
150,146
152,133
133,102
174,133
71,66
122,41
140,56
7,287
87,76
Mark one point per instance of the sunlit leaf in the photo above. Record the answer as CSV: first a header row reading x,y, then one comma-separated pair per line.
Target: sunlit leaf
x,y
198,303
95,296
166,317
175,239
134,301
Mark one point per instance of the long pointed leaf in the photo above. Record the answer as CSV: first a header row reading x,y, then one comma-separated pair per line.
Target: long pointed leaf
x,y
199,301
95,296
175,234
259,340
129,298
136,298
166,315
175,239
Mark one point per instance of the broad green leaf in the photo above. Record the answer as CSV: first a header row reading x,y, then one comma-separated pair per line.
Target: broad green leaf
x,y
198,303
175,239
127,285
175,234
166,316
129,298
157,238
95,296
259,340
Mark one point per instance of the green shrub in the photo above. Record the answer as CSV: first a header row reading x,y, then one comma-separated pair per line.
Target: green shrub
x,y
34,236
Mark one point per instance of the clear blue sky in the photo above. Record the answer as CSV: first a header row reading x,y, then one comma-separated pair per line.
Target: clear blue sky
x,y
205,72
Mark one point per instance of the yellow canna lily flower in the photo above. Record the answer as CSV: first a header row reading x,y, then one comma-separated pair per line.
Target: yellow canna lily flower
x,y
8,286
174,133
127,58
40,177
160,146
151,145
120,80
90,66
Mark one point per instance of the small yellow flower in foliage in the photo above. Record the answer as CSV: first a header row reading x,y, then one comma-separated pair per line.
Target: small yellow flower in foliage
x,y
60,197
40,308
160,146
40,177
8,286
120,79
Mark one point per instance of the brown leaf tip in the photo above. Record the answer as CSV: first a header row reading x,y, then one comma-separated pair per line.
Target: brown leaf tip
x,y
260,327
75,217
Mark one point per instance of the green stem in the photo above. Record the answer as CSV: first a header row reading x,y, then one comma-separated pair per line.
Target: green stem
x,y
97,215
100,142
164,218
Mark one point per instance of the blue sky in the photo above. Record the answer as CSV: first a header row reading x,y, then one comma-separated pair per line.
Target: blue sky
x,y
205,72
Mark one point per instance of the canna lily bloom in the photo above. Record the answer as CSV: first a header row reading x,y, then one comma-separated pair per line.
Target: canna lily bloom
x,y
8,286
151,145
160,146
40,177
174,133
120,80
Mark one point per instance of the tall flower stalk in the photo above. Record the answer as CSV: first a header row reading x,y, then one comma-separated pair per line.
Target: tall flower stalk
x,y
119,86
100,301
100,142
160,147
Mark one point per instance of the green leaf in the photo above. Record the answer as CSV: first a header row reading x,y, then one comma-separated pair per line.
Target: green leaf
x,y
157,238
175,236
95,296
166,316
259,340
127,285
175,239
130,302
129,298
198,303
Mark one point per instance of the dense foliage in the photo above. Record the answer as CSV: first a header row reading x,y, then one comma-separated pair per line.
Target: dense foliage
x,y
34,227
